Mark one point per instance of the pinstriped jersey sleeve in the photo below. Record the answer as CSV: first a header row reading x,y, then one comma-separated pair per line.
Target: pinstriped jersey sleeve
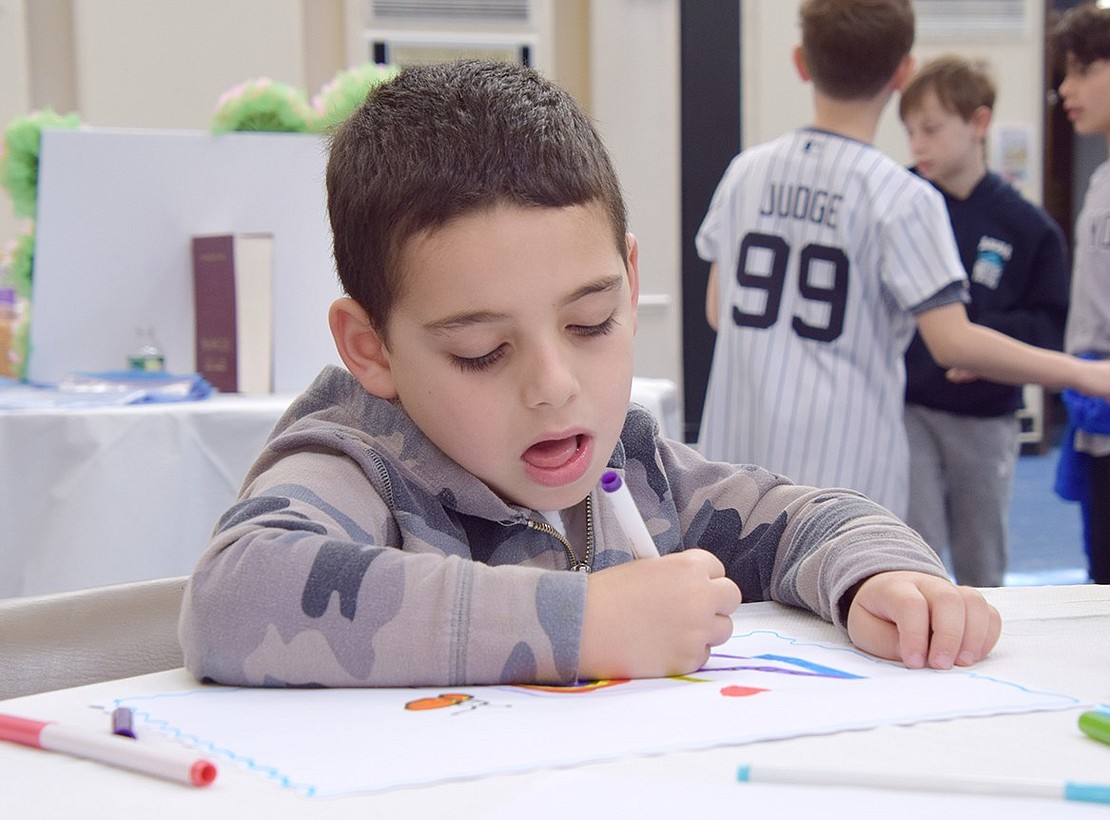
x,y
921,258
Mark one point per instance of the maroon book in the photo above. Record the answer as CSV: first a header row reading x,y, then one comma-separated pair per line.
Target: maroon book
x,y
233,300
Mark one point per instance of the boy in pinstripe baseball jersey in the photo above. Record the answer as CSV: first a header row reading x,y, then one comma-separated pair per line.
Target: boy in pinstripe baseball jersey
x,y
825,254
964,437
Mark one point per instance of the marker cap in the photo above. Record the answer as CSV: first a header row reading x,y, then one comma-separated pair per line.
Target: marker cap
x,y
1087,792
202,773
1096,725
21,730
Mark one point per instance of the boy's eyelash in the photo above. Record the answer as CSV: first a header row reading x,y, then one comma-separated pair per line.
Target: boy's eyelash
x,y
479,363
601,329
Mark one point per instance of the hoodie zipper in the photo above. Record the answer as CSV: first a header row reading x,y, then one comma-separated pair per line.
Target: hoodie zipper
x,y
572,559
539,526
383,476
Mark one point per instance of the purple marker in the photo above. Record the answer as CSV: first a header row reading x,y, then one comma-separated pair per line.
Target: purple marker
x,y
629,517
123,722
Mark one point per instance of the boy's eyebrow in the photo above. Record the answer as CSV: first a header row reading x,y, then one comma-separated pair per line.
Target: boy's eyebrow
x,y
602,285
459,320
477,317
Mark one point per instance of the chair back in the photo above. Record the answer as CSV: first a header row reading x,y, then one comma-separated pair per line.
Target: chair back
x,y
73,638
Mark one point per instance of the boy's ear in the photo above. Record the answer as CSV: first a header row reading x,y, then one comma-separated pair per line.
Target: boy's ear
x,y
981,121
903,73
632,265
800,64
361,347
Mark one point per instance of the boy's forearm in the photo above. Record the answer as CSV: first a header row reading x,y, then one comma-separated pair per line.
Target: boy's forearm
x,y
848,540
1040,325
956,343
271,610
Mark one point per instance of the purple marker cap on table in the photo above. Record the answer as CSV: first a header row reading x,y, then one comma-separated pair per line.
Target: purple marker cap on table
x,y
123,722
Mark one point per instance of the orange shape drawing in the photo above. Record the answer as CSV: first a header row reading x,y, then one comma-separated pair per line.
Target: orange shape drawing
x,y
438,702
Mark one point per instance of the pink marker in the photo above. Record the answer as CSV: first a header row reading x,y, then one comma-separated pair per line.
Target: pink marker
x,y
172,764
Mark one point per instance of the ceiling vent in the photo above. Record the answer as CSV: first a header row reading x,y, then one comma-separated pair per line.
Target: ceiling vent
x,y
404,32
501,11
947,19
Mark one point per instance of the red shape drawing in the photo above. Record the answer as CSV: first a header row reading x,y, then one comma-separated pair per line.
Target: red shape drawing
x,y
741,691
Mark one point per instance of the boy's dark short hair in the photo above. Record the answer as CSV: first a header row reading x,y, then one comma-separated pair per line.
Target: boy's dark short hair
x,y
962,86
853,47
1083,32
442,141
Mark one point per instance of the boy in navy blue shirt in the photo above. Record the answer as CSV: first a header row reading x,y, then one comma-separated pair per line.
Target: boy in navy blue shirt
x,y
964,436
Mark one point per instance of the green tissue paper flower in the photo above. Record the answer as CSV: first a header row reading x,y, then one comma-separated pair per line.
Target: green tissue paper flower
x,y
18,257
22,259
19,165
339,98
263,105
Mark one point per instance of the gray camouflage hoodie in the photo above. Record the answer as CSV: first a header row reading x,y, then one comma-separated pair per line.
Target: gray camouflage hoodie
x,y
358,554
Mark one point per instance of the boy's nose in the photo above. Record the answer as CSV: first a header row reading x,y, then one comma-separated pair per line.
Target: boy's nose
x,y
548,379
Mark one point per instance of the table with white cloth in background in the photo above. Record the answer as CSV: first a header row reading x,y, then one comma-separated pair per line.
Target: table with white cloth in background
x,y
1053,639
107,495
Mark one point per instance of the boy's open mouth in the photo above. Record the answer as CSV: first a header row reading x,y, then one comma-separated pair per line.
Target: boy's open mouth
x,y
558,462
553,453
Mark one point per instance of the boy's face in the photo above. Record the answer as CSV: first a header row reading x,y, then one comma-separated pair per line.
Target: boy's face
x,y
1086,95
511,347
945,146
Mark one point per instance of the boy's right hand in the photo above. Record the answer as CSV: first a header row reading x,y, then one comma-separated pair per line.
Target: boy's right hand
x,y
654,618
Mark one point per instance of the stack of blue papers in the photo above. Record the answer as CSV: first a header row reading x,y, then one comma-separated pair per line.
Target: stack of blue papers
x,y
103,390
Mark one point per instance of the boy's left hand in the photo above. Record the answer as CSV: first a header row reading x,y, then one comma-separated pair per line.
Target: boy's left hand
x,y
921,620
958,375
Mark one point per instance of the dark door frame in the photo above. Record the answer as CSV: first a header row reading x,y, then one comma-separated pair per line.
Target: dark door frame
x,y
710,137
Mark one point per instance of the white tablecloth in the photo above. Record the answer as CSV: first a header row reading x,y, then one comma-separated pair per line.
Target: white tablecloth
x,y
108,495
1053,639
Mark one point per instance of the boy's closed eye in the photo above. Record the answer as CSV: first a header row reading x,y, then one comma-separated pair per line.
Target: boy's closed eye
x,y
484,361
476,364
600,329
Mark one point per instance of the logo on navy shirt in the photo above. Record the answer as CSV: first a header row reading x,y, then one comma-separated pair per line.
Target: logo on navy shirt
x,y
990,259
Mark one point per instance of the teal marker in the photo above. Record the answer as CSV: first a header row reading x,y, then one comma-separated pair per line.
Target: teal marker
x,y
922,782
1096,724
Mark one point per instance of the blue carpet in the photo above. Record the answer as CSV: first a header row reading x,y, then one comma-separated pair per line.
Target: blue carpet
x,y
1046,533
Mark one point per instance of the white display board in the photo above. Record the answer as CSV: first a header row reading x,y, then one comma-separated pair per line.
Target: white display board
x,y
116,212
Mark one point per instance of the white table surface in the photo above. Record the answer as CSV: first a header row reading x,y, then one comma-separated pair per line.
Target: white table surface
x,y
1054,638
108,495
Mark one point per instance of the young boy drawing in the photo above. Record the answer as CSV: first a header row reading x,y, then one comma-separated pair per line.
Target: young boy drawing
x,y
964,437
1082,39
825,254
413,519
